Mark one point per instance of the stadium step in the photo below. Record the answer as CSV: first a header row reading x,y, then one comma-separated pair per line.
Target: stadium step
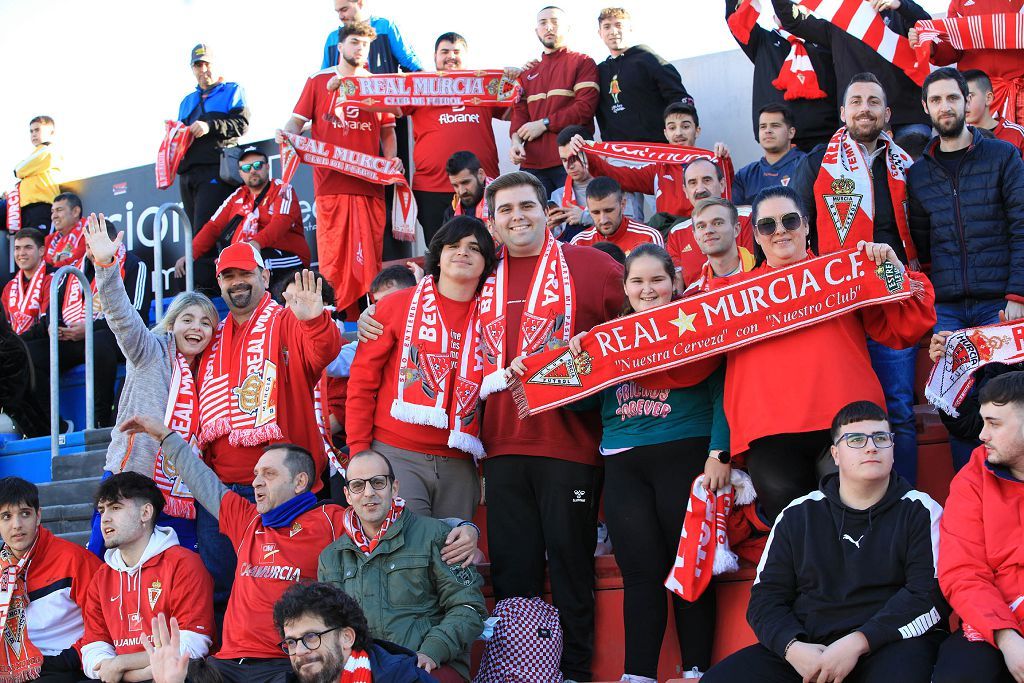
x,y
66,501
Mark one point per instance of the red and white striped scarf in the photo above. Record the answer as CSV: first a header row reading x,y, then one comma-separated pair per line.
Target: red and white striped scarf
x,y
250,223
644,153
796,78
24,302
858,19
547,320
22,660
181,415
63,246
354,528
177,138
238,394
73,306
357,668
436,387
322,411
14,209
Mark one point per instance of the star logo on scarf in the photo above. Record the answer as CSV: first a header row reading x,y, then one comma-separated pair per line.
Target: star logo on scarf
x,y
684,323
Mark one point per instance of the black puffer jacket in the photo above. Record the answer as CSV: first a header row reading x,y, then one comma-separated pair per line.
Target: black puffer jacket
x,y
970,228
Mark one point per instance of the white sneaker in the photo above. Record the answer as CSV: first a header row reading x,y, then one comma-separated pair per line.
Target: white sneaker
x,y
631,678
693,673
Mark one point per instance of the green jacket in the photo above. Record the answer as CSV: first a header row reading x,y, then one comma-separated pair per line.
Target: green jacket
x,y
409,595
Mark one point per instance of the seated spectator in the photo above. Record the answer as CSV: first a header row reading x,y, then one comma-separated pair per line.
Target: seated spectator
x,y
38,178
468,180
389,559
716,230
45,580
264,212
979,110
776,130
607,209
146,573
979,544
64,244
846,589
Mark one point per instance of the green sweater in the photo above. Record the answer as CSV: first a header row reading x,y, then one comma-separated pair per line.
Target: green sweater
x,y
634,416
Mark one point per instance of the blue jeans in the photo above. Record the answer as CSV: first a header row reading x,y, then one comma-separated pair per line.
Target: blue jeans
x,y
896,370
216,549
954,316
184,528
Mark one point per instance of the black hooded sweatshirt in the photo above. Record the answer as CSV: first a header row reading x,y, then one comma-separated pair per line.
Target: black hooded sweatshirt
x,y
829,570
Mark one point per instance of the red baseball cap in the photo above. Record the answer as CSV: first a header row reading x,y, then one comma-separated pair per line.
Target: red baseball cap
x,y
242,256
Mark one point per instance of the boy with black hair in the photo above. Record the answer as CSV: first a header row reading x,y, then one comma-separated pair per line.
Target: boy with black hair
x,y
46,579
776,131
979,110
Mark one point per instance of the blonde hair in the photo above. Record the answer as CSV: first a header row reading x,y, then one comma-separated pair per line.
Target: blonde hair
x,y
180,303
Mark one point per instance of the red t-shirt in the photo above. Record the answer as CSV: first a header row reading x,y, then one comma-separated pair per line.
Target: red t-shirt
x,y
688,257
629,236
345,125
439,132
269,562
372,383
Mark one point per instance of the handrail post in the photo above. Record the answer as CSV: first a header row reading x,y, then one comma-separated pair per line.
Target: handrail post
x,y
90,389
158,253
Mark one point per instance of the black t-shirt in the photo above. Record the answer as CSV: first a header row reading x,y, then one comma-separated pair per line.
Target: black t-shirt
x,y
950,160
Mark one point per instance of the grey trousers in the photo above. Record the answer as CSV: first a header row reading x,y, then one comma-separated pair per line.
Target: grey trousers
x,y
433,485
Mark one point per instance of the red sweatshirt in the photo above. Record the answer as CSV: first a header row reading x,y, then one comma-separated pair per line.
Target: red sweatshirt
x,y
1010,132
305,350
372,382
664,181
629,236
981,558
560,433
998,64
279,221
689,259
563,88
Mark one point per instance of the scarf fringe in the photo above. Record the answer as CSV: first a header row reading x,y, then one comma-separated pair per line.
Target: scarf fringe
x,y
916,287
214,431
940,402
419,415
493,383
255,437
30,674
798,92
743,488
178,507
518,390
468,443
726,560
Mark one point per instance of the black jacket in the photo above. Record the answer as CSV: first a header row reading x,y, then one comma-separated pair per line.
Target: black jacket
x,y
646,84
971,227
829,570
389,663
851,56
136,283
816,120
886,229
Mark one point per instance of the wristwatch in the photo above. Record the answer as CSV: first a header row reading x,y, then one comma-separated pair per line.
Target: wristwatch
x,y
546,121
724,457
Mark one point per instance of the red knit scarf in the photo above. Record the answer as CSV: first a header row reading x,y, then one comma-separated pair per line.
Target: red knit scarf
x,y
14,209
966,352
23,302
845,198
322,411
181,415
547,320
769,304
643,153
357,668
238,394
354,528
796,78
63,246
436,387
177,138
74,304
490,88
858,19
22,661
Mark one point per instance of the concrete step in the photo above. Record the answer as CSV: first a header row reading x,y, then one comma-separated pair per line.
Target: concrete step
x,y
67,526
88,464
77,537
68,492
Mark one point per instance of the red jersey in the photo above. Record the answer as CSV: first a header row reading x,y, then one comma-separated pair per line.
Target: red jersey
x,y
629,236
344,124
278,221
998,64
1010,132
439,132
664,181
372,383
25,300
689,259
270,560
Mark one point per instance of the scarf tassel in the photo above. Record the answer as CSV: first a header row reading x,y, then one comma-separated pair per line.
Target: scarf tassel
x,y
30,674
518,390
941,402
179,507
419,415
468,443
493,383
255,437
214,431
794,90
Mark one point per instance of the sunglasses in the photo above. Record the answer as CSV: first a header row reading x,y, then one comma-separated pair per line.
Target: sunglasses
x,y
791,221
859,440
254,165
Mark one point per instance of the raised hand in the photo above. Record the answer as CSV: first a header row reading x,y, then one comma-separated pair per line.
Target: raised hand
x,y
167,663
100,248
305,300
145,424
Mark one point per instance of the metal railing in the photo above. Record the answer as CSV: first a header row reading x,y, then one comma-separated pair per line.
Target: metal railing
x,y
158,253
90,388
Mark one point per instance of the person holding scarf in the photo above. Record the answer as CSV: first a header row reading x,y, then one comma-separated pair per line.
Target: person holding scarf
x,y
64,244
413,393
160,380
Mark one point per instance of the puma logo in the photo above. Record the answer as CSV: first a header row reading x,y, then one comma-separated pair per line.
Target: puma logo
x,y
848,537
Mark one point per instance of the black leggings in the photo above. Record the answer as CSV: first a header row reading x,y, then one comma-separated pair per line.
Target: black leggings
x,y
963,661
784,467
646,492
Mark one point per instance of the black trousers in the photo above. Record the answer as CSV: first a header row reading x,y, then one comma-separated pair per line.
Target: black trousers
x,y
202,193
961,661
252,670
538,505
905,661
786,466
553,178
61,668
646,493
430,208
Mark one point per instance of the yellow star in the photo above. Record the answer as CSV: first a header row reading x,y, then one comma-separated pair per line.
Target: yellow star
x,y
684,322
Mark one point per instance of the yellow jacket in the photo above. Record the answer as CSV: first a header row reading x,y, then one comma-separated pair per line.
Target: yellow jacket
x,y
40,176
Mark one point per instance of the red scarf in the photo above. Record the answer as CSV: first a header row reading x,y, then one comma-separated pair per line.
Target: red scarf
x,y
74,304
547,321
569,191
489,88
366,167
22,660
63,246
481,206
845,197
177,138
797,78
14,209
966,352
435,387
23,302
322,411
357,668
643,153
858,19
354,528
181,415
772,303
236,398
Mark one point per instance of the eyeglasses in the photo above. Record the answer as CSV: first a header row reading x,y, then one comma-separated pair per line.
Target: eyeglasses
x,y
257,165
791,221
311,640
378,483
858,440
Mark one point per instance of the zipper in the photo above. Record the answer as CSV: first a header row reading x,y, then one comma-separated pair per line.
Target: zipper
x,y
960,225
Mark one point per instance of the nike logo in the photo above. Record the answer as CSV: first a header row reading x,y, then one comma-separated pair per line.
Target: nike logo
x,y
847,537
531,77
116,597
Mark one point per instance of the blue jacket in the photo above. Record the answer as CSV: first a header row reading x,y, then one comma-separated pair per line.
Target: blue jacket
x,y
758,175
387,52
970,227
389,663
224,108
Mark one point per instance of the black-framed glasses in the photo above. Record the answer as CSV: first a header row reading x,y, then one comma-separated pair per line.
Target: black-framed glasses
x,y
791,221
378,483
257,165
311,640
859,440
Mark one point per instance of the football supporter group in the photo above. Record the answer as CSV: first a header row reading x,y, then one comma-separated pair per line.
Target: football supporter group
x,y
636,344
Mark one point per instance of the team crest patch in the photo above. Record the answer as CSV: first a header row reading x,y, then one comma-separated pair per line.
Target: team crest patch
x,y
296,528
891,276
536,330
843,205
962,359
462,574
564,371
153,593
